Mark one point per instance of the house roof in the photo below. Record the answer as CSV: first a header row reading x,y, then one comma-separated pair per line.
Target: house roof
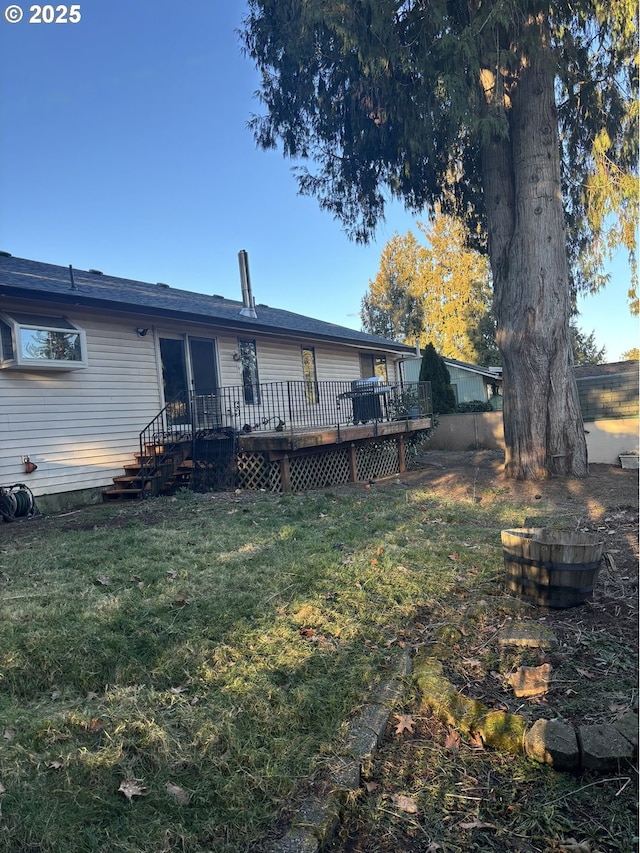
x,y
26,279
588,371
474,368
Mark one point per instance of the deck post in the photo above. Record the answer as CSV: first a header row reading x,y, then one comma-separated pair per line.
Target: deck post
x,y
285,473
402,462
353,463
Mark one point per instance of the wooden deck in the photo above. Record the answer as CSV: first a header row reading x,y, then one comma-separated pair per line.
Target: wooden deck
x,y
306,437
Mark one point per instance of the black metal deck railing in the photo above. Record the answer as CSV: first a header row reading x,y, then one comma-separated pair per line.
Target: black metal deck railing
x,y
277,407
290,406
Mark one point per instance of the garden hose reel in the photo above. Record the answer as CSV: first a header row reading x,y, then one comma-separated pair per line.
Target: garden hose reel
x,y
17,503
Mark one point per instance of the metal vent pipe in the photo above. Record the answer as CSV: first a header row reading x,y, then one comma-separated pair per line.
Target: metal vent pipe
x,y
248,302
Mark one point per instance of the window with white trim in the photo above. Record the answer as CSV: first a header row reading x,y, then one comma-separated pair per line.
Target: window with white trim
x,y
35,341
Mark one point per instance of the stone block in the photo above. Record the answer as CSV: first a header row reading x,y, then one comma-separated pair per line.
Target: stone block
x,y
360,742
375,718
344,774
530,680
627,725
426,665
464,714
389,692
318,817
603,748
503,731
553,742
296,841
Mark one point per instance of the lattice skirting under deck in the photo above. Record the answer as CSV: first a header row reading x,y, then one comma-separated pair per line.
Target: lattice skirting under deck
x,y
377,459
317,470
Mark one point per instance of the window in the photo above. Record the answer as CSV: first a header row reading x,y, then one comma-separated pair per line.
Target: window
x,y
373,365
33,341
250,381
309,373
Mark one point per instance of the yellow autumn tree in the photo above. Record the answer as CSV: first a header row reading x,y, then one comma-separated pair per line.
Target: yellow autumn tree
x,y
435,291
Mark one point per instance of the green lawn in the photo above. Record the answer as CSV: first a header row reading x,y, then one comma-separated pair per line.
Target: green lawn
x,y
209,651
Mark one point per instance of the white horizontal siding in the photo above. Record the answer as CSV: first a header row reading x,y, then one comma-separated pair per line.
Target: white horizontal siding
x,y
81,427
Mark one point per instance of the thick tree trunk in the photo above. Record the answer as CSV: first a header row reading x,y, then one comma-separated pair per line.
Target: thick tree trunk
x,y
544,434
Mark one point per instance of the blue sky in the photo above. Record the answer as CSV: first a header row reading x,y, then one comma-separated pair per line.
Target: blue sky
x,y
124,148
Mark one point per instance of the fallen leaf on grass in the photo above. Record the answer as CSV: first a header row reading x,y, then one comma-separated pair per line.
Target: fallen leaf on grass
x,y
177,793
179,602
9,733
475,741
171,575
477,824
452,740
434,847
405,723
370,787
132,788
2,789
102,580
406,804
54,765
312,636
95,726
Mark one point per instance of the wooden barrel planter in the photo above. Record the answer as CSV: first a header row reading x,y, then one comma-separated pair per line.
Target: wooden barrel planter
x,y
551,568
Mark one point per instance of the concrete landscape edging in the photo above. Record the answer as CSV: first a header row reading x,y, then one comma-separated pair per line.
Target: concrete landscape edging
x,y
556,743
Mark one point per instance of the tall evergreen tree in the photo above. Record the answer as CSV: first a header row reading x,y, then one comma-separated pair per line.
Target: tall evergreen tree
x,y
585,348
519,117
433,291
434,370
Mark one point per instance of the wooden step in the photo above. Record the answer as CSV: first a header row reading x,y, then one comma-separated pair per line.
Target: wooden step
x,y
152,473
122,494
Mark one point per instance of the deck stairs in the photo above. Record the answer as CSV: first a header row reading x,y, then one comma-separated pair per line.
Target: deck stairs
x,y
160,470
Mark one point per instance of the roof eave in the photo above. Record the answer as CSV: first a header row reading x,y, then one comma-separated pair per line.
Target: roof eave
x,y
241,324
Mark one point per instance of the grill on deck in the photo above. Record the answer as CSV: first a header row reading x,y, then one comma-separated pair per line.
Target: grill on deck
x,y
368,398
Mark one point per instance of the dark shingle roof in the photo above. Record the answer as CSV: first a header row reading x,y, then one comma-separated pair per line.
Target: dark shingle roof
x,y
585,371
22,278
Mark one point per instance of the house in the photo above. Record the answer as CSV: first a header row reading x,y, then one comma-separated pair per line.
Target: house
x,y
470,382
608,396
94,369
609,402
608,390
